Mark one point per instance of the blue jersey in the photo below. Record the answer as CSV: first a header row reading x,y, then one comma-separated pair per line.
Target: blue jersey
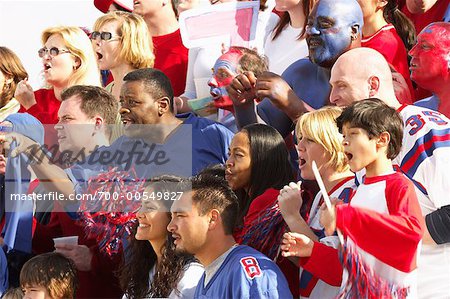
x,y
245,273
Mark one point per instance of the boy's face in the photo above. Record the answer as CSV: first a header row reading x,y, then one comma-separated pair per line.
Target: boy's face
x,y
36,292
361,151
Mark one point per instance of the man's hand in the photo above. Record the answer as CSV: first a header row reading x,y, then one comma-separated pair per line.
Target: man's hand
x,y
23,144
290,200
298,245
24,94
273,87
80,254
242,89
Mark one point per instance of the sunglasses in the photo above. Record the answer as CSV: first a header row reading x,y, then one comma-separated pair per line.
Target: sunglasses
x,y
95,35
52,52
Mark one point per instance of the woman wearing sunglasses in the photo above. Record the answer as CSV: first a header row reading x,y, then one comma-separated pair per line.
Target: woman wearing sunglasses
x,y
123,44
67,59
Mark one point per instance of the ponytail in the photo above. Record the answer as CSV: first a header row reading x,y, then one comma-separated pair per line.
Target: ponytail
x,y
403,25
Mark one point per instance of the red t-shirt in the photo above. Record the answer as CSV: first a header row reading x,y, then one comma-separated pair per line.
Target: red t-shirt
x,y
46,107
171,57
389,44
46,111
434,14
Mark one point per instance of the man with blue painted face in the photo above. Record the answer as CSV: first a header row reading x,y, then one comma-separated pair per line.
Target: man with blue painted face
x,y
334,27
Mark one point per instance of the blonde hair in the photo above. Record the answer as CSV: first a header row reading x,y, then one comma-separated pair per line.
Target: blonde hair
x,y
137,46
320,126
79,44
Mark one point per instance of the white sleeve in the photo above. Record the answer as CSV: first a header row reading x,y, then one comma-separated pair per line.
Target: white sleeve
x,y
189,89
432,173
188,283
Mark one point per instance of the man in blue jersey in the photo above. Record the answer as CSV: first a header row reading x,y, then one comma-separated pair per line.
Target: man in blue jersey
x,y
202,224
156,141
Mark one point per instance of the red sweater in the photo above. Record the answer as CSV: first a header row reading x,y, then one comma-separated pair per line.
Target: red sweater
x,y
171,57
100,282
434,14
387,42
46,111
46,107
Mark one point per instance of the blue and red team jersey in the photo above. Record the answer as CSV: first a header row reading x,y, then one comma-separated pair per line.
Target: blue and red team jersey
x,y
245,273
425,159
321,273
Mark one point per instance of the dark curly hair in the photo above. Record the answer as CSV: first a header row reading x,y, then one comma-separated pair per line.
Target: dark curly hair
x,y
140,258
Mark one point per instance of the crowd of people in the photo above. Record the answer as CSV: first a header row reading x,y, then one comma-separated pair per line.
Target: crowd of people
x,y
314,167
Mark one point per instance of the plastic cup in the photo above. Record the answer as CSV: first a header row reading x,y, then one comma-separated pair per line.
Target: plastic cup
x,y
72,240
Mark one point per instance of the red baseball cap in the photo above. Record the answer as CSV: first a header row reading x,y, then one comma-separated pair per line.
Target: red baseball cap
x,y
103,5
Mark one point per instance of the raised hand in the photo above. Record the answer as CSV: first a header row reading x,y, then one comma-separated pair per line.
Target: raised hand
x,y
328,216
80,254
242,89
290,200
296,245
24,94
23,144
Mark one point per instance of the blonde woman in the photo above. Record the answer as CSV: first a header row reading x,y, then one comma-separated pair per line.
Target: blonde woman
x,y
122,43
318,140
67,59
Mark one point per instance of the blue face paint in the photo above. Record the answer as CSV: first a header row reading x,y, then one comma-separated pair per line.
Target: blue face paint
x,y
329,31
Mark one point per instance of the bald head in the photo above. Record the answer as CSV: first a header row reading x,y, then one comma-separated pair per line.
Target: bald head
x,y
359,74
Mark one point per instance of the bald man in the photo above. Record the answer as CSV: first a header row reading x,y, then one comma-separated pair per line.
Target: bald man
x,y
430,66
334,26
424,157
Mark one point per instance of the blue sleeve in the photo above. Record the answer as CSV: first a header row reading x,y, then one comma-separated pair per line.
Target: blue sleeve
x,y
3,273
430,103
274,117
79,176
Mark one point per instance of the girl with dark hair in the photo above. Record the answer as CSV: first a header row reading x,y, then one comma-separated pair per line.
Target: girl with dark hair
x,y
257,168
387,30
286,43
153,268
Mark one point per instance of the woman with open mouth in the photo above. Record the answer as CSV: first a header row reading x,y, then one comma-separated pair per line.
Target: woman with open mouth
x,y
122,43
257,168
67,60
320,141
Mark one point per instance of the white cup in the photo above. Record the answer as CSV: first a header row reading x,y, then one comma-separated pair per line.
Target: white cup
x,y
72,240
